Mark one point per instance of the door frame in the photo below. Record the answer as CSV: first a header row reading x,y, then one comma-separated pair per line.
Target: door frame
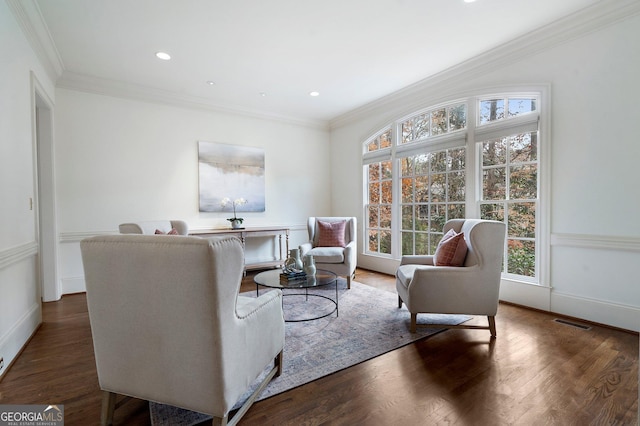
x,y
44,202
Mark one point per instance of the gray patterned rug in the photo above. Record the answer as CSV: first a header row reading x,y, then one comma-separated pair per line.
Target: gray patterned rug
x,y
369,324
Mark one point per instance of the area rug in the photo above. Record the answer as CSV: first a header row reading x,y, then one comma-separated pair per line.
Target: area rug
x,y
368,324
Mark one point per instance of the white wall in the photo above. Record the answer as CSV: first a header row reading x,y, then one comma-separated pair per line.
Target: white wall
x,y
594,197
121,160
20,311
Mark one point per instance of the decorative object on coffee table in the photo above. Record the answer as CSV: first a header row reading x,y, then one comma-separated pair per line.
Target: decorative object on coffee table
x,y
293,264
309,265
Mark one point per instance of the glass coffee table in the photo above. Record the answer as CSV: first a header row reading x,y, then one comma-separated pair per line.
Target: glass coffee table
x,y
321,280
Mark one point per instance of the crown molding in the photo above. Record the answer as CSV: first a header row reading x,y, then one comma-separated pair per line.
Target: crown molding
x,y
601,14
119,89
585,21
33,25
30,20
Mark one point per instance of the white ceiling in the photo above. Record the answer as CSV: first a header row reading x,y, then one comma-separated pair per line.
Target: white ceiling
x,y
351,51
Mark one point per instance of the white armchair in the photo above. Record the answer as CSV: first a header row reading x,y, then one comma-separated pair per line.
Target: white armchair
x,y
149,227
469,289
169,326
340,258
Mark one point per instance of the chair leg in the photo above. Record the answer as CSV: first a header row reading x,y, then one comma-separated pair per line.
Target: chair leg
x,y
220,421
108,406
414,321
278,363
349,281
492,325
399,302
233,421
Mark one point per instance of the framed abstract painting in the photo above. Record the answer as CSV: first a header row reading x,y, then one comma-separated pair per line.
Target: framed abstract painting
x,y
230,172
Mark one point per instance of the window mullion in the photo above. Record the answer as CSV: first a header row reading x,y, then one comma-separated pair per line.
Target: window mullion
x,y
396,202
473,175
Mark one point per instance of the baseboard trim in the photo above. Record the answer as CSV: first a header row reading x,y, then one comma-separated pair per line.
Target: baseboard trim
x,y
526,294
17,337
72,285
598,311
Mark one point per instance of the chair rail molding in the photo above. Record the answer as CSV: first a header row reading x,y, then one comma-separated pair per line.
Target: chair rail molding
x,y
601,242
76,237
16,254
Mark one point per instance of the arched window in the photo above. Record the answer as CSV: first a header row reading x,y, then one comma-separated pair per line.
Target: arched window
x,y
476,157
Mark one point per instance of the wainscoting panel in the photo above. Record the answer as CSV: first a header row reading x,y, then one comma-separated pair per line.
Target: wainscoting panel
x,y
595,277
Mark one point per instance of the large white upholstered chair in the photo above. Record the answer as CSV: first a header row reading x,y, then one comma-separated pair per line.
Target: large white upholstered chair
x,y
340,258
169,326
149,227
468,289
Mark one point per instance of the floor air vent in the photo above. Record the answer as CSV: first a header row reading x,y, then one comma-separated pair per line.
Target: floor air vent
x,y
572,324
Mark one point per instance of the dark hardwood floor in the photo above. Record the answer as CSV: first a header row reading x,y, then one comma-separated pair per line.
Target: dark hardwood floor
x,y
537,372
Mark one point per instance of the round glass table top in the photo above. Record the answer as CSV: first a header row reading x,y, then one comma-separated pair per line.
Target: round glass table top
x,y
272,279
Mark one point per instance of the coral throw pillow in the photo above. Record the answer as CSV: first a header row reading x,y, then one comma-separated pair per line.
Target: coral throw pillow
x,y
452,250
331,234
173,231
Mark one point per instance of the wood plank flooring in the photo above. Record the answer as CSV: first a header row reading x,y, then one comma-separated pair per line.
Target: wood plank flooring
x,y
537,372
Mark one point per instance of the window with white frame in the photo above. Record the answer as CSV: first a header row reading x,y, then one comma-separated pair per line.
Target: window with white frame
x,y
379,194
436,165
508,161
433,188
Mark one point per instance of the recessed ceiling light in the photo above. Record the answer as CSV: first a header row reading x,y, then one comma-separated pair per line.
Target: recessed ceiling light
x,y
211,82
163,55
469,1
314,93
263,94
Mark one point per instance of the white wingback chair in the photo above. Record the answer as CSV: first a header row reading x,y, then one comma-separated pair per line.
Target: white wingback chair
x,y
339,260
169,326
149,227
469,289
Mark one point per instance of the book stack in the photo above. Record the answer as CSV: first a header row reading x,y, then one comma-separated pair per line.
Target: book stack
x,y
292,276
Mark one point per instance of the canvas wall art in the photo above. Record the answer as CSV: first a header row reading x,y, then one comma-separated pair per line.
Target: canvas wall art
x,y
231,171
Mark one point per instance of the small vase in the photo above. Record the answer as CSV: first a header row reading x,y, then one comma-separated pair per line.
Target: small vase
x,y
309,266
295,254
293,264
236,224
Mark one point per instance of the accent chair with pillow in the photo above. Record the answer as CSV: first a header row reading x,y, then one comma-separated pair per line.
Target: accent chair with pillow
x,y
332,243
151,227
169,325
462,277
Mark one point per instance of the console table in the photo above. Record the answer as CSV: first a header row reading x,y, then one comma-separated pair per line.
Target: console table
x,y
245,233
